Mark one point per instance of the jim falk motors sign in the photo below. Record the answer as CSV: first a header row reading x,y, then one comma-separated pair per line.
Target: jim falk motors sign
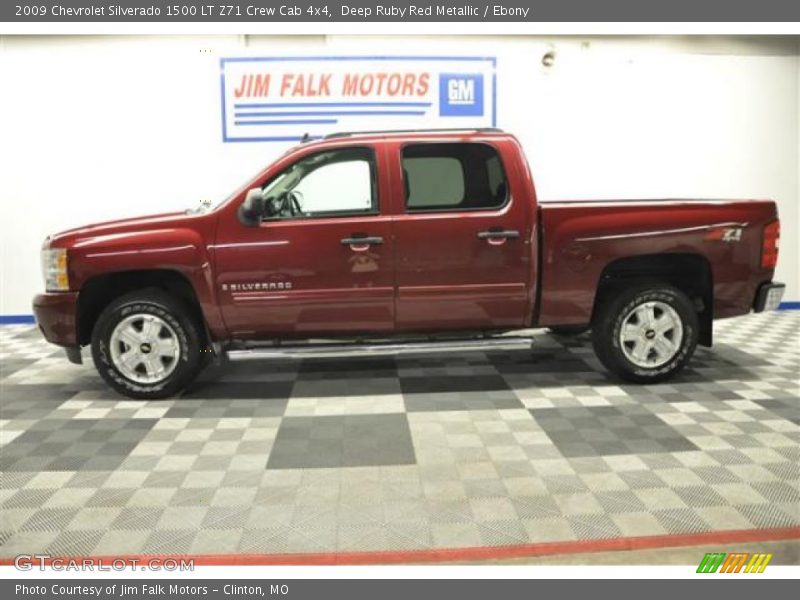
x,y
284,99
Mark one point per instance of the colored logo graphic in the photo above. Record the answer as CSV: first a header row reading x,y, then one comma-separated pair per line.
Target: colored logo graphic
x,y
460,94
743,562
291,98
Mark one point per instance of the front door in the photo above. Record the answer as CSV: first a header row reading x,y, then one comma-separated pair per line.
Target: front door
x,y
321,261
462,240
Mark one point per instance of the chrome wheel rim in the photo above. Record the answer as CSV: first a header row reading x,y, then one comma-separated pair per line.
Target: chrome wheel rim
x,y
651,334
145,348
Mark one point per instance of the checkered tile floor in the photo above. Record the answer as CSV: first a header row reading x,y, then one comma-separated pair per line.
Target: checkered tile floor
x,y
400,452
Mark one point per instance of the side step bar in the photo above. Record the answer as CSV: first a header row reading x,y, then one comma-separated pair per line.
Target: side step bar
x,y
379,347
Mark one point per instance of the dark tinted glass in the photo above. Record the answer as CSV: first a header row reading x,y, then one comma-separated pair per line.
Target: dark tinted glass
x,y
464,176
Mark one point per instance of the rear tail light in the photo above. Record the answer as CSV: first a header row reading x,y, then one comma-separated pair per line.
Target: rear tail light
x,y
769,245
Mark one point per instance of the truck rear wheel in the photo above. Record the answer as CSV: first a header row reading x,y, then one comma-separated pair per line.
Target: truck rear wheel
x,y
646,334
146,346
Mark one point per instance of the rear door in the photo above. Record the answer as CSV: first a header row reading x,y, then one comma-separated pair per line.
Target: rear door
x,y
462,238
322,260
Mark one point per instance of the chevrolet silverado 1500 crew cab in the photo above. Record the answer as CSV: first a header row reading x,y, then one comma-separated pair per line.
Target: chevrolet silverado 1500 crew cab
x,y
396,234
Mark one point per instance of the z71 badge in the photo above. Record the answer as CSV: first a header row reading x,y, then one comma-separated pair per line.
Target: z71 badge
x,y
725,234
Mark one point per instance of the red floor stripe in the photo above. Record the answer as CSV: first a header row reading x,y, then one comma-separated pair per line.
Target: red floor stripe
x,y
460,554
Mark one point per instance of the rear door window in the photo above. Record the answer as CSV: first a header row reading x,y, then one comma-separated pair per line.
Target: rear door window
x,y
455,177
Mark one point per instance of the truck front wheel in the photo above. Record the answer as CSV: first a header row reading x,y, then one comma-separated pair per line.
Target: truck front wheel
x,y
646,334
146,346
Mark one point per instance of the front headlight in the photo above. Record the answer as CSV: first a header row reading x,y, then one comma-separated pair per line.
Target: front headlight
x,y
54,269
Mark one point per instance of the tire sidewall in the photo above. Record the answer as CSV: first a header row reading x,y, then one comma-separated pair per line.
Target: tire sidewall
x,y
184,332
689,321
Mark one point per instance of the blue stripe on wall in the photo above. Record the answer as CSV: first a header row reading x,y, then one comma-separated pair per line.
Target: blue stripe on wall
x,y
16,319
28,319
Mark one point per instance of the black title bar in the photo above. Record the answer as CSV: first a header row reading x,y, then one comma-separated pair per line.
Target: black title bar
x,y
354,11
85,588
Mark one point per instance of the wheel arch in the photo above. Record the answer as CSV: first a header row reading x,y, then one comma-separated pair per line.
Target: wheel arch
x,y
99,291
689,272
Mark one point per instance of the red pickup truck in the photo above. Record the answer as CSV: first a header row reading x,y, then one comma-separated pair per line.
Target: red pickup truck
x,y
389,235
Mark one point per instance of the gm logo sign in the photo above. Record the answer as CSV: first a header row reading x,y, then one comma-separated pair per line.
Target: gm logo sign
x,y
461,94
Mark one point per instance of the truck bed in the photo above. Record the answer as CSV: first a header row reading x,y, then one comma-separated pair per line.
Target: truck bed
x,y
579,239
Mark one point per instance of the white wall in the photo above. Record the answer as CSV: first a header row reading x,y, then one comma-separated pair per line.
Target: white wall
x,y
101,128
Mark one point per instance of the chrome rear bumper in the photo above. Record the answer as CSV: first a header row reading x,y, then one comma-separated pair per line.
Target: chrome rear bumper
x,y
769,296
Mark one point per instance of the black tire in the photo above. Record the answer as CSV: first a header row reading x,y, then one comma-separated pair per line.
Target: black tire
x,y
609,321
171,311
568,330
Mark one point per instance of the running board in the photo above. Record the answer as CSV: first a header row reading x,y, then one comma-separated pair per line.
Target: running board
x,y
384,347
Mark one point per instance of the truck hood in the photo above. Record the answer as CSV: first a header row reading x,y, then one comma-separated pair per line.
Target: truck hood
x,y
122,226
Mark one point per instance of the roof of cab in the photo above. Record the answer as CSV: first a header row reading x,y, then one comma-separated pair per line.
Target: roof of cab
x,y
455,133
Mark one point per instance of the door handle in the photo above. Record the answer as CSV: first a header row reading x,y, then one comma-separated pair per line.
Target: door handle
x,y
498,236
361,243
365,239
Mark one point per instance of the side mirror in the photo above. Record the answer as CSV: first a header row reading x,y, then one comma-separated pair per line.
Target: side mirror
x,y
252,209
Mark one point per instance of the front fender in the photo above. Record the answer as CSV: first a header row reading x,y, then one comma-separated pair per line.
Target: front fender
x,y
180,250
